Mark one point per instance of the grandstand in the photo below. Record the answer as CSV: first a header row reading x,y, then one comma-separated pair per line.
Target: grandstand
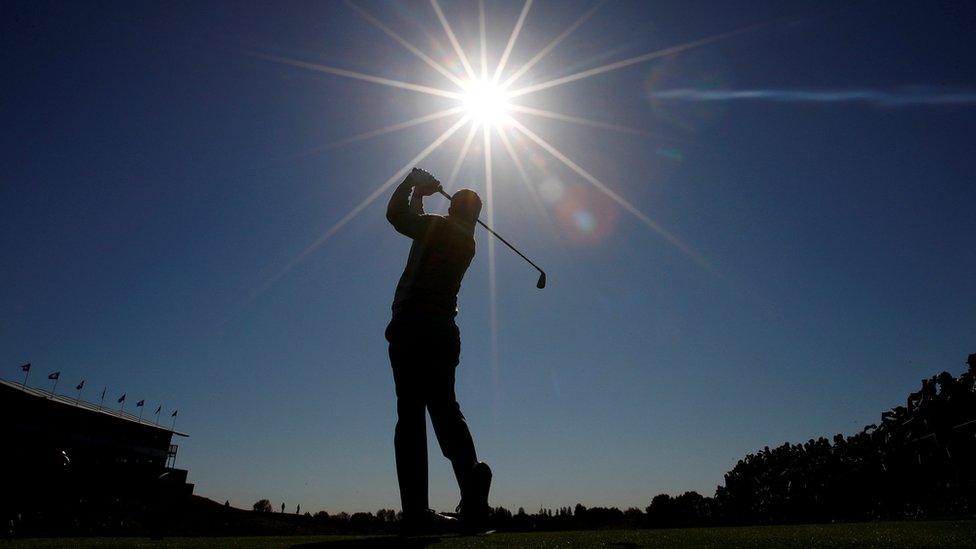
x,y
65,460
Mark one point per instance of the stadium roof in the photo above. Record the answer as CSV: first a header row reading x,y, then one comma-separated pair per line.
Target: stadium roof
x,y
87,406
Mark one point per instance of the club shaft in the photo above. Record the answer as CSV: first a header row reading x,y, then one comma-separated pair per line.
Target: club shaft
x,y
499,237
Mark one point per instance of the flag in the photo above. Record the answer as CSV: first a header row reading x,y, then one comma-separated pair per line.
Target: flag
x,y
140,403
174,413
160,409
25,367
54,375
80,385
121,398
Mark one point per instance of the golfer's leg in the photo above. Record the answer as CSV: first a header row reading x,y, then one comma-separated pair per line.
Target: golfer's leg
x,y
450,427
410,436
410,443
453,436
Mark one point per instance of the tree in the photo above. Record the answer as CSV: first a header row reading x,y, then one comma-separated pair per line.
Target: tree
x,y
262,506
634,517
386,515
502,513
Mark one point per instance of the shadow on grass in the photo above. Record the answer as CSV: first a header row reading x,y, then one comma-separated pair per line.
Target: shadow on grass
x,y
380,542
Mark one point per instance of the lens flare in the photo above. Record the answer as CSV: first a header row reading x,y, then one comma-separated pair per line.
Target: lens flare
x,y
551,190
584,221
586,217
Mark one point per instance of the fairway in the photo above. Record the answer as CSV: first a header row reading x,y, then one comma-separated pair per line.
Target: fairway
x,y
880,534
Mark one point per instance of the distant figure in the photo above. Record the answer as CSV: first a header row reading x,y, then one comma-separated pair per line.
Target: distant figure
x,y
298,509
282,507
425,347
948,386
968,379
924,396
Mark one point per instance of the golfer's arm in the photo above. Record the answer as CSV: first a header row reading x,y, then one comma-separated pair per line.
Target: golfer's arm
x,y
404,213
416,204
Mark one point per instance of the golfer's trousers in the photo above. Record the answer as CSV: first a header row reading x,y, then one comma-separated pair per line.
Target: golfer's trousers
x,y
424,353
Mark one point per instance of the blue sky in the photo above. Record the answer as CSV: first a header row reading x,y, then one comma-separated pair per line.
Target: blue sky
x,y
159,178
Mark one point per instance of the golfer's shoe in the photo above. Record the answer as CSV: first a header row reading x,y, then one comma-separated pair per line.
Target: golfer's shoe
x,y
427,522
473,509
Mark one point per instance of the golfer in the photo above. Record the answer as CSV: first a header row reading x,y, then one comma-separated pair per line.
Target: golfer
x,y
425,347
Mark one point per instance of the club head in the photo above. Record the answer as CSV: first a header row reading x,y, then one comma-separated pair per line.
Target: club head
x,y
542,281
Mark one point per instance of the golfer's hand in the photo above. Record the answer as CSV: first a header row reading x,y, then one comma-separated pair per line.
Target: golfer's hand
x,y
423,183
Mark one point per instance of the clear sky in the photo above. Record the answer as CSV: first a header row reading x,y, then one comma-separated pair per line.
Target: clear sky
x,y
166,167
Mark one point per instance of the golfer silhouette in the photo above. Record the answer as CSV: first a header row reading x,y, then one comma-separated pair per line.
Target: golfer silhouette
x,y
425,347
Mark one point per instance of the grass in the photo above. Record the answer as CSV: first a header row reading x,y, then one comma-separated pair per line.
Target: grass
x,y
886,535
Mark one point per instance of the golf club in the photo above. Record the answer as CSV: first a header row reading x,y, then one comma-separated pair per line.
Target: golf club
x,y
542,274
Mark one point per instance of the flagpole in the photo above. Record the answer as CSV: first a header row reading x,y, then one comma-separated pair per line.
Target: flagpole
x,y
26,375
55,388
141,412
100,402
159,409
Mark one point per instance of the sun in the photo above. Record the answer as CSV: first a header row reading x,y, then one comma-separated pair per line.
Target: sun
x,y
485,102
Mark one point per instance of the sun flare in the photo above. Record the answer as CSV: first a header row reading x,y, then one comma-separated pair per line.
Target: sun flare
x,y
485,102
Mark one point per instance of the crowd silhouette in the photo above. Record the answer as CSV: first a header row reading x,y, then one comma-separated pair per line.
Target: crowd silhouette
x,y
917,461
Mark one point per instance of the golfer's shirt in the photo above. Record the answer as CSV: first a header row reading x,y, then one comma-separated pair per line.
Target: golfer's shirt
x,y
441,252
